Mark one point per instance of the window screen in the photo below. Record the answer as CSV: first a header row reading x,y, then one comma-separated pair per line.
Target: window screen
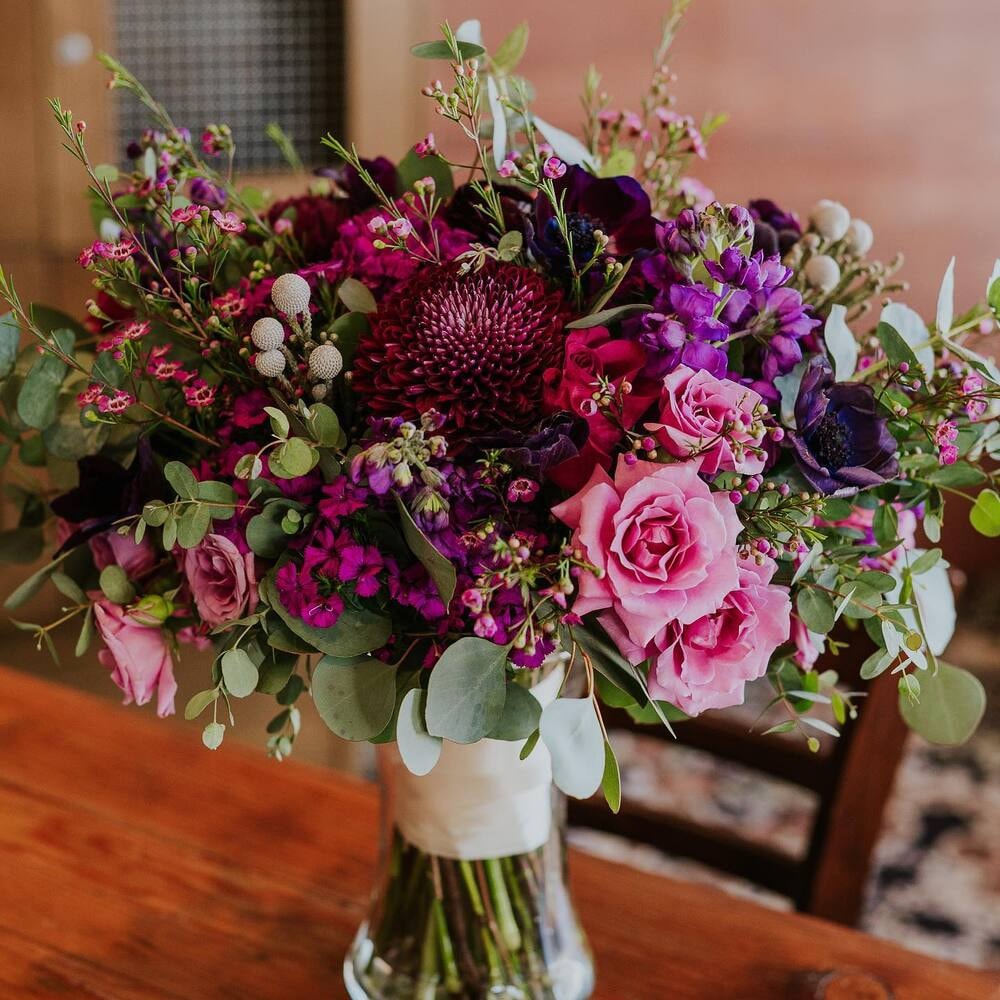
x,y
242,62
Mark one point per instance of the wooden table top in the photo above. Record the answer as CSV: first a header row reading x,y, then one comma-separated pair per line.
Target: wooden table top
x,y
136,865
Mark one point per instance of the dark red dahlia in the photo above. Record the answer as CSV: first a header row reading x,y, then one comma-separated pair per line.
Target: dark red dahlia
x,y
471,346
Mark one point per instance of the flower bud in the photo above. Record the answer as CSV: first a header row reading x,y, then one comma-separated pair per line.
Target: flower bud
x,y
822,272
290,294
830,219
270,364
859,237
267,334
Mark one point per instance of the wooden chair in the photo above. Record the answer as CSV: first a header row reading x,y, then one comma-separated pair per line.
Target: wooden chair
x,y
852,782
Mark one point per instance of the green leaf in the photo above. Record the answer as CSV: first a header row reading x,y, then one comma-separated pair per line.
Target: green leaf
x,y
106,172
815,608
324,425
413,168
28,588
169,538
10,340
926,561
440,49
264,534
279,421
521,712
466,692
606,316
38,398
985,513
354,633
275,670
572,734
68,587
239,673
510,51
69,436
529,745
217,493
48,320
955,476
282,638
355,696
611,782
199,702
289,694
896,349
418,749
951,706
193,525
438,566
86,633
115,585
606,660
155,513
182,479
356,296
213,734
885,525
349,329
293,458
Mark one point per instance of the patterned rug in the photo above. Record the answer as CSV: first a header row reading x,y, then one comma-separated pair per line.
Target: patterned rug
x,y
935,881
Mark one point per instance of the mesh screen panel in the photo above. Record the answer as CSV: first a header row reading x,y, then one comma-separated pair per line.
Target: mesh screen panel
x,y
242,62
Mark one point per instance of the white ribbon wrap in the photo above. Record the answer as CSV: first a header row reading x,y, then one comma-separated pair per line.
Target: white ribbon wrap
x,y
480,800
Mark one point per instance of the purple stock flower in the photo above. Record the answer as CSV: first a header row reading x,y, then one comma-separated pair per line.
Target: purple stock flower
x,y
688,335
842,442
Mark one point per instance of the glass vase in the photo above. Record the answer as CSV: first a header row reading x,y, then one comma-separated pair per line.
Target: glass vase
x,y
471,898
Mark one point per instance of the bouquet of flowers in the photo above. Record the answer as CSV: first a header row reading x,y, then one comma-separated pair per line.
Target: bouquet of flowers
x,y
464,449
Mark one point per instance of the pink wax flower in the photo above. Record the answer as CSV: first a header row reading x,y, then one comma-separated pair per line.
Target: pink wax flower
x,y
707,663
186,215
221,578
663,544
715,422
553,168
136,653
111,549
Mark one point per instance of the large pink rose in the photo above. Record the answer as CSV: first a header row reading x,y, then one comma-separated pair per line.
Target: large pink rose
x,y
713,421
137,656
706,663
111,549
591,355
664,543
221,579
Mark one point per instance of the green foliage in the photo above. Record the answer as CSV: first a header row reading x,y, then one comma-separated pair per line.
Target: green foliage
x,y
466,691
115,585
356,296
418,749
611,781
985,513
896,349
440,49
199,702
572,734
38,398
354,695
412,168
10,339
815,608
239,673
511,50
948,708
521,712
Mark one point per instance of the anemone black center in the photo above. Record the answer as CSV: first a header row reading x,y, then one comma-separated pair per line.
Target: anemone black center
x,y
581,230
831,442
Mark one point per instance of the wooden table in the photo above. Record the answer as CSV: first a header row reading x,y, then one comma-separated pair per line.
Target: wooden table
x,y
137,865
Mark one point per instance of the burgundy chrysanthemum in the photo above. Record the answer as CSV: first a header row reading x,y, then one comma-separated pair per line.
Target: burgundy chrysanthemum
x,y
471,346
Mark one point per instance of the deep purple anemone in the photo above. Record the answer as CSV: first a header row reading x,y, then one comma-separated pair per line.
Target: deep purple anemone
x,y
842,442
616,206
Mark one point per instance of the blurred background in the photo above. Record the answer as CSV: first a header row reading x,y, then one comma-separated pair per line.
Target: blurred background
x,y
888,107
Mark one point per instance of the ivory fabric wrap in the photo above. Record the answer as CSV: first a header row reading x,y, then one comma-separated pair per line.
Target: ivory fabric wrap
x,y
480,800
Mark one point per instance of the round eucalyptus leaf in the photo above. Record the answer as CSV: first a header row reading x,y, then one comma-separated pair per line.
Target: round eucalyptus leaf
x,y
572,733
521,711
418,749
466,692
950,707
355,696
239,673
213,734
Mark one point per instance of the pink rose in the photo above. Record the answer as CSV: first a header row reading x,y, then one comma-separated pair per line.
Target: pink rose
x,y
111,549
706,663
137,656
664,544
711,420
590,355
221,579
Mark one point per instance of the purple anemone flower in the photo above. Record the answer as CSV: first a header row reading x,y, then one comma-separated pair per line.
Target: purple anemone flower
x,y
617,206
842,442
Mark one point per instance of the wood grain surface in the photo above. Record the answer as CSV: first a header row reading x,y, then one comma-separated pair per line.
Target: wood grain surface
x,y
139,866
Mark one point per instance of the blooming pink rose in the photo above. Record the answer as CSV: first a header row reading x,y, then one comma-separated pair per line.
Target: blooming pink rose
x,y
221,579
713,421
590,355
664,544
111,549
137,655
706,663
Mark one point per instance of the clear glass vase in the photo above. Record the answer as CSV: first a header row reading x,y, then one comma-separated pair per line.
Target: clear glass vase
x,y
471,899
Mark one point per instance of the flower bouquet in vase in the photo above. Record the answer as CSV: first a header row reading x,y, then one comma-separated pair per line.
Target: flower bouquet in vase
x,y
463,461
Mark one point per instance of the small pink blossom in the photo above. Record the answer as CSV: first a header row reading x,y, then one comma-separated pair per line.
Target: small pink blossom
x,y
426,146
508,168
228,222
522,490
121,250
282,226
199,394
948,454
377,225
230,304
553,168
118,402
90,395
186,215
401,228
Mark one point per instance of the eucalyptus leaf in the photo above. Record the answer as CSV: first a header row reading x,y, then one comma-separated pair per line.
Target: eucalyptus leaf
x,y
239,673
199,702
38,398
572,733
213,734
355,696
440,49
115,585
418,750
193,525
907,325
611,782
413,168
951,706
293,458
521,712
10,340
182,479
466,692
985,513
815,608
510,51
